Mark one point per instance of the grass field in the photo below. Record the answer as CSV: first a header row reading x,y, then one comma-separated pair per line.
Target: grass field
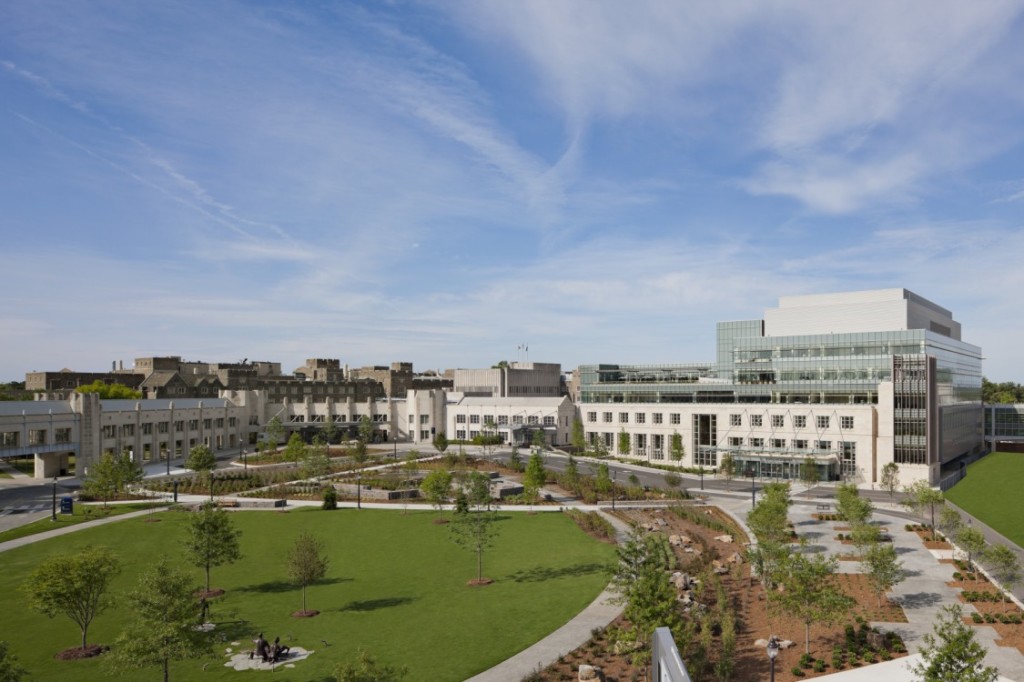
x,y
396,587
80,514
990,492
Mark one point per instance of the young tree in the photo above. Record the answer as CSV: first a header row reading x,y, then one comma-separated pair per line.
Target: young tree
x,y
572,475
602,480
10,671
306,564
316,461
676,449
440,442
515,460
201,459
579,436
951,652
972,541
128,471
809,593
366,429
295,449
623,442
650,600
359,452
769,519
1004,565
950,521
164,628
102,480
74,585
437,488
727,467
330,430
212,539
274,432
673,480
924,500
535,475
809,475
891,479
883,568
473,525
366,669
539,439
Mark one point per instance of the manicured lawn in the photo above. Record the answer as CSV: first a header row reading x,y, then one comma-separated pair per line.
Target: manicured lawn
x,y
991,492
81,513
396,586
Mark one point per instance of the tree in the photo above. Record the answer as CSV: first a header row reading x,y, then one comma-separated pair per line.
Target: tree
x,y
673,480
853,508
114,391
769,519
274,432
359,452
437,488
535,475
891,479
579,436
539,439
366,669
295,450
951,652
676,450
10,671
212,539
950,521
440,442
572,475
164,628
201,459
809,475
307,563
366,429
883,568
330,430
102,481
473,524
602,480
650,600
317,461
1004,565
727,467
972,541
809,593
623,442
74,585
924,500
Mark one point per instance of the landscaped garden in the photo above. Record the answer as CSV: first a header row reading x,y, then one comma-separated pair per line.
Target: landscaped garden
x,y
990,491
396,586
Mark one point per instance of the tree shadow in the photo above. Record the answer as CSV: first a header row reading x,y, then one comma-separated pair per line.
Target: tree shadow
x,y
904,550
542,573
367,605
811,534
278,586
919,599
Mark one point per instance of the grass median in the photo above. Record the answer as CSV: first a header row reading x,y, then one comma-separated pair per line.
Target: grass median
x,y
990,493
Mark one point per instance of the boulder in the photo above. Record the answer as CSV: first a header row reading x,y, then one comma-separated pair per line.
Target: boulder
x,y
589,673
675,540
736,558
724,538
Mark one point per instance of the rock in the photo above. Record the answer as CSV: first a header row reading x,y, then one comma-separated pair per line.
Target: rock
x,y
661,522
675,540
724,538
763,643
718,567
590,672
686,540
786,644
876,640
736,558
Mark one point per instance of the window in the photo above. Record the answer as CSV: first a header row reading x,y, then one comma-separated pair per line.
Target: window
x,y
800,421
179,425
220,422
425,435
412,419
846,422
735,442
533,419
822,445
623,417
549,421
109,431
424,419
799,445
517,419
673,418
489,419
297,419
757,442
207,424
641,443
502,419
607,417
474,419
640,417
62,435
147,429
9,439
848,458
756,420
778,421
460,434
778,443
735,420
162,427
37,437
591,417
232,422
128,430
657,417
822,421
193,424
460,419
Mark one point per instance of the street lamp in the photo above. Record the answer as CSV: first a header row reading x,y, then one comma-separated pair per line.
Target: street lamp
x,y
753,497
53,512
615,478
773,652
701,470
245,461
212,480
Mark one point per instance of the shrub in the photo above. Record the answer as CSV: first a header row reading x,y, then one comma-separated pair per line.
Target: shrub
x,y
837,659
885,655
819,666
797,671
898,647
806,660
330,498
989,618
976,617
957,575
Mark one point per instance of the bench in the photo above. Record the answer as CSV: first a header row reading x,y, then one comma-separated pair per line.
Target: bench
x,y
824,507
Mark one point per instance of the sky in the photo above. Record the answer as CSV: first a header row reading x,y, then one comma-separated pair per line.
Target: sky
x,y
449,182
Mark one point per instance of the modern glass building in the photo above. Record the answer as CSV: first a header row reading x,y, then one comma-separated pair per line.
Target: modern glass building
x,y
888,358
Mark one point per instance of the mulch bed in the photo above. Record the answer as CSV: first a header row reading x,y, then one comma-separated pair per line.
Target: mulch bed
x,y
482,582
305,614
209,594
78,653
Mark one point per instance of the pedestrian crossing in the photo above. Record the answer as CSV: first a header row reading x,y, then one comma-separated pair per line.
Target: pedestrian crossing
x,y
25,509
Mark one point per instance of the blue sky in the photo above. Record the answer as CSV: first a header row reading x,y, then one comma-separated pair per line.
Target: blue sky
x,y
442,182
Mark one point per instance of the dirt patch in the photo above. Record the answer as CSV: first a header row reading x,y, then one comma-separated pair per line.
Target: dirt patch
x,y
209,594
150,519
78,653
480,582
305,614
440,522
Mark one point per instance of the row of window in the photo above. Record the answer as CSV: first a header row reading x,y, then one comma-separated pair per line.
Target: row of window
x,y
778,421
503,419
146,428
12,439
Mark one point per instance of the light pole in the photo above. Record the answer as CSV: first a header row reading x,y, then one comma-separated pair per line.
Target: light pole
x,y
212,479
615,478
753,497
701,470
773,652
53,511
245,461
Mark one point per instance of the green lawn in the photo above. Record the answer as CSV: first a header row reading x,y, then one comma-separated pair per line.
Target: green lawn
x,y
80,514
396,586
991,492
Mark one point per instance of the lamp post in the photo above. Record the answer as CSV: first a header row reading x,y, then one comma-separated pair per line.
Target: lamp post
x,y
245,461
701,470
615,479
212,480
53,512
359,489
753,497
773,652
